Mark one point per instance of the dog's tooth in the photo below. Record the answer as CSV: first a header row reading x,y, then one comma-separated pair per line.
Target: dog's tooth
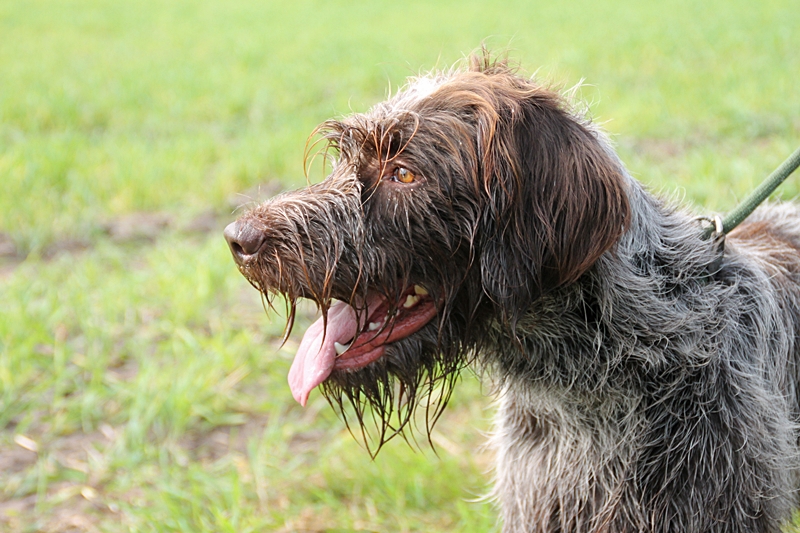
x,y
374,325
419,290
340,348
411,301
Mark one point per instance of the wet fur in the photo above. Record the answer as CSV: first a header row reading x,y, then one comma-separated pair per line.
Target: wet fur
x,y
639,390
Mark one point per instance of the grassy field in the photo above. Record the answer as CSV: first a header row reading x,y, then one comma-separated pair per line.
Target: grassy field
x,y
142,387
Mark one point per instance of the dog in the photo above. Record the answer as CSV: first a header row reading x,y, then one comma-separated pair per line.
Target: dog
x,y
646,375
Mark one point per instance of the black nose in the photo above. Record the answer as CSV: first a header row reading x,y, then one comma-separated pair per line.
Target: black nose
x,y
244,240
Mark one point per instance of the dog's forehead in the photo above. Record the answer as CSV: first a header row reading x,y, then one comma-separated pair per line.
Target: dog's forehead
x,y
416,90
386,125
406,101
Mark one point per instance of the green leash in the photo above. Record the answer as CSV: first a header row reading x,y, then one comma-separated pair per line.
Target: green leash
x,y
744,209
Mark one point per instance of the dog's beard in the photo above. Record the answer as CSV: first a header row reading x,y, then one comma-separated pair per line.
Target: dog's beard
x,y
405,390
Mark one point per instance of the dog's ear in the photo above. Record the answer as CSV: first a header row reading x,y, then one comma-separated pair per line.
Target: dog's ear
x,y
555,197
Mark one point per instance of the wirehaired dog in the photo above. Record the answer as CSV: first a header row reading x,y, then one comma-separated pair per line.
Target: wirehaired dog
x,y
646,381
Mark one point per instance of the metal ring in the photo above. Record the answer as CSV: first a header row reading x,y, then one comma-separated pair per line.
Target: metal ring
x,y
715,221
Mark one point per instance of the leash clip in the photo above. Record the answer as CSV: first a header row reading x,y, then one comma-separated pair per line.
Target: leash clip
x,y
717,237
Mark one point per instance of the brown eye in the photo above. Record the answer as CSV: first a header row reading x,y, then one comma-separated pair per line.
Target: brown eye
x,y
403,175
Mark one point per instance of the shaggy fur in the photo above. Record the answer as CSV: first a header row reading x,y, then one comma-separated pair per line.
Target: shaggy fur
x,y
643,385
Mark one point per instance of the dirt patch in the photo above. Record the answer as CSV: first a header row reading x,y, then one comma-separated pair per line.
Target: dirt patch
x,y
142,227
137,226
67,506
10,256
310,520
71,508
83,505
8,248
65,246
16,460
220,441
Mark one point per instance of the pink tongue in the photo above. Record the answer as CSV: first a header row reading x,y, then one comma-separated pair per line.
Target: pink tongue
x,y
316,355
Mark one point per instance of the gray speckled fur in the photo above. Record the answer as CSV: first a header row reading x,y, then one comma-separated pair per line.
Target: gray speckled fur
x,y
675,409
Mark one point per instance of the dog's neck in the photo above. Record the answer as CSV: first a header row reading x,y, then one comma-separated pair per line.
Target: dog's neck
x,y
569,341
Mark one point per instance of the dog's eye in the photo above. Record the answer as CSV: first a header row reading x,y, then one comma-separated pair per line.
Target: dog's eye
x,y
403,175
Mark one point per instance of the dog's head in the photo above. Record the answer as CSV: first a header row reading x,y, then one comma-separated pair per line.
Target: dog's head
x,y
450,209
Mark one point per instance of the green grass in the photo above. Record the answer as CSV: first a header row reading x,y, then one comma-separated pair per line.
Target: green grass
x,y
144,373
111,107
161,368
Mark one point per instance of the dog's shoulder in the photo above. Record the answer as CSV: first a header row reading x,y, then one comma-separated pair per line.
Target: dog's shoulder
x,y
771,233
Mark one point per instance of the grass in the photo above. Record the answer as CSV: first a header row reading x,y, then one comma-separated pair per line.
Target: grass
x,y
141,386
152,382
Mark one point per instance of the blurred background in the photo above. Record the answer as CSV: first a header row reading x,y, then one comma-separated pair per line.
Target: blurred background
x,y
142,385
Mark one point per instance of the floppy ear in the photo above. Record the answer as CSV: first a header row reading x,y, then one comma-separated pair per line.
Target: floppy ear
x,y
555,198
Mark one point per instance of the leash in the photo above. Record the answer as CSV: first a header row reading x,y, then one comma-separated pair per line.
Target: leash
x,y
720,227
749,204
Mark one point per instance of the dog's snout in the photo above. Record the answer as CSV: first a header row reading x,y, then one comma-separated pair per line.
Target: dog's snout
x,y
244,240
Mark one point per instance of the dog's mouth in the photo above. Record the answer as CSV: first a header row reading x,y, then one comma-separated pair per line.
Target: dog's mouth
x,y
351,340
